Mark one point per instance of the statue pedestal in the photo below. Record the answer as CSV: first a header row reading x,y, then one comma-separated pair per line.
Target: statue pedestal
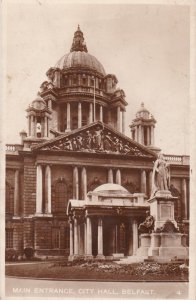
x,y
166,241
162,208
144,244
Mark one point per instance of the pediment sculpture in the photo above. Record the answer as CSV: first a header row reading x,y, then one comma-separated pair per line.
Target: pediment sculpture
x,y
96,139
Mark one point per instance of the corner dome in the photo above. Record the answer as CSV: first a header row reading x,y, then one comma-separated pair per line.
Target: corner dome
x,y
143,112
111,188
38,103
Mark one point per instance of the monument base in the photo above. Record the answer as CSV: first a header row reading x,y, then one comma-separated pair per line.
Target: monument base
x,y
145,241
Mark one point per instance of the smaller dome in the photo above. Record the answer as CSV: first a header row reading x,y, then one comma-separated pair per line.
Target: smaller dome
x,y
38,103
111,188
143,112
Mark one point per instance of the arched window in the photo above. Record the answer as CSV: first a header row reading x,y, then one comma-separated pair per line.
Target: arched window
x,y
60,197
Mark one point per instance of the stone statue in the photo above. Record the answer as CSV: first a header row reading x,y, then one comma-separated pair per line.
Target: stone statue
x,y
148,225
160,175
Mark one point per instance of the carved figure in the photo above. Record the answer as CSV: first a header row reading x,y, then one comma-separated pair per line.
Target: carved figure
x,y
88,140
160,176
68,144
148,225
97,138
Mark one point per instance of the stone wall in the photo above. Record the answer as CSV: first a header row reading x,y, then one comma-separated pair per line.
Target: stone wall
x,y
29,205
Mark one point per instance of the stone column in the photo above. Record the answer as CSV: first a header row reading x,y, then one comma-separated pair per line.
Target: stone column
x,y
16,193
76,250
152,135
148,136
110,176
118,176
39,190
75,183
140,134
150,183
48,190
71,249
90,113
84,183
123,121
29,126
50,104
45,127
88,236
101,113
184,198
79,115
118,118
143,181
32,127
135,236
100,238
68,117
85,239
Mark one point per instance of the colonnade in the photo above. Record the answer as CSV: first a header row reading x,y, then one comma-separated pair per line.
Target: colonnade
x,y
93,115
139,134
81,233
32,123
43,184
80,174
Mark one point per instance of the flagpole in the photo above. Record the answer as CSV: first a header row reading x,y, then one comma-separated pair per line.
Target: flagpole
x,y
94,102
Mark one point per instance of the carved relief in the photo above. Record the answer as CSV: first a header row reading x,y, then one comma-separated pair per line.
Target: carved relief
x,y
96,139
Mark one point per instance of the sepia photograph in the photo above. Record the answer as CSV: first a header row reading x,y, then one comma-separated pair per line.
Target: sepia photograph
x,y
97,135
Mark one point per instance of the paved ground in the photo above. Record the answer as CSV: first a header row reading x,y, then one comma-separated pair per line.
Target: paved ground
x,y
88,289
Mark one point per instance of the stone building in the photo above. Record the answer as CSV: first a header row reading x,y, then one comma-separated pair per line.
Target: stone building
x,y
77,185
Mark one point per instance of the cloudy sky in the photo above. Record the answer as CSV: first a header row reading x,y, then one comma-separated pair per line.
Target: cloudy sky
x,y
145,46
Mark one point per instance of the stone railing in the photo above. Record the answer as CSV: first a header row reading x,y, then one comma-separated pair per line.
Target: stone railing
x,y
177,159
13,147
87,89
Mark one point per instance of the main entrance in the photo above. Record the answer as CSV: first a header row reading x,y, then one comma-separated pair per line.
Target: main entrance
x,y
116,236
105,224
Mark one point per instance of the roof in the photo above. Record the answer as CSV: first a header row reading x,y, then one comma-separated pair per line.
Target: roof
x,y
80,59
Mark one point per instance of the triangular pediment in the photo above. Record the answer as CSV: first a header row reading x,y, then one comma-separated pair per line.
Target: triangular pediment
x,y
96,138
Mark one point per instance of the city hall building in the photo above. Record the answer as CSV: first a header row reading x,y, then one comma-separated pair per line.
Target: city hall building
x,y
77,186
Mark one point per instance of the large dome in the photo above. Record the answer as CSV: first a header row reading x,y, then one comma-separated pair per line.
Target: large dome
x,y
80,59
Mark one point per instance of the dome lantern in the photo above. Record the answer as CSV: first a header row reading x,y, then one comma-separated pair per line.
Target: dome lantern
x,y
78,41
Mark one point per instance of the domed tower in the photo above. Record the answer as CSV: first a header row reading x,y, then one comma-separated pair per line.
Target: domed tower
x,y
38,115
142,128
79,92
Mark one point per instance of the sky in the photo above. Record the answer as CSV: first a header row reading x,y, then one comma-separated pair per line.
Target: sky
x,y
145,46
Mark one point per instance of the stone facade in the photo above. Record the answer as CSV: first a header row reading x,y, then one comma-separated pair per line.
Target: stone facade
x,y
75,143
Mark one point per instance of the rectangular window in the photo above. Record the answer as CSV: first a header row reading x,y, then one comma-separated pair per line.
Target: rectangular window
x,y
56,238
9,238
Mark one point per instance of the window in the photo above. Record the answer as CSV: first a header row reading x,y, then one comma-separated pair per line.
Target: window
x,y
56,238
67,238
9,238
84,81
75,80
59,201
84,121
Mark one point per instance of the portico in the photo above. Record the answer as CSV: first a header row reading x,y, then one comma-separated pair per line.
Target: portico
x,y
105,223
